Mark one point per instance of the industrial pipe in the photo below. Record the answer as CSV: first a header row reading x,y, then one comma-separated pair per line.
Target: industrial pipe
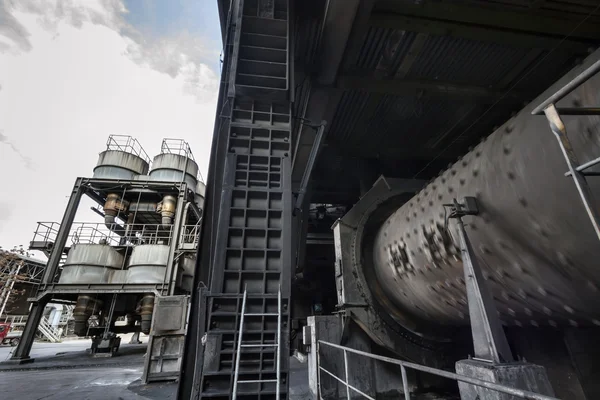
x,y
146,310
85,307
166,208
114,206
533,237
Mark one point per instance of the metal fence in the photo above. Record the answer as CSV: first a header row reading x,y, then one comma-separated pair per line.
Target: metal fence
x,y
127,144
176,146
190,235
523,394
111,234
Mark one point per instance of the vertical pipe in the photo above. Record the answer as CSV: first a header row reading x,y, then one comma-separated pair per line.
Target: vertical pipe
x,y
405,383
170,273
277,395
318,366
346,376
239,349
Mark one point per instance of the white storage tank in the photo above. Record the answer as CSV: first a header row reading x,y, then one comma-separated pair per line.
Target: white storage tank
x,y
175,163
148,263
199,196
91,263
187,267
124,158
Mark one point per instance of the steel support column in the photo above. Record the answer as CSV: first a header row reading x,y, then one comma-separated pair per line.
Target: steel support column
x,y
21,354
489,340
63,233
171,272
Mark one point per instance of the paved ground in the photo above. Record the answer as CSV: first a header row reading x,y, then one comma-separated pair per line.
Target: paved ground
x,y
66,371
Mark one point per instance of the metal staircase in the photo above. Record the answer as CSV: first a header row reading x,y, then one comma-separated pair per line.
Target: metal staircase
x,y
48,331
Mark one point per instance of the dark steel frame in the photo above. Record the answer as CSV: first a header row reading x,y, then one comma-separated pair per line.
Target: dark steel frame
x,y
49,289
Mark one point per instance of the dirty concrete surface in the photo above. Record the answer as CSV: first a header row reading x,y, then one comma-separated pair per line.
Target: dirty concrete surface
x,y
66,371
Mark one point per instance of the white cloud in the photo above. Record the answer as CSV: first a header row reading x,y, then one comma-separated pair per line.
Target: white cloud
x,y
180,55
77,82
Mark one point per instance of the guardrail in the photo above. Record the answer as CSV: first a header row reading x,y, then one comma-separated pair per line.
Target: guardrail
x,y
100,233
190,235
523,394
127,144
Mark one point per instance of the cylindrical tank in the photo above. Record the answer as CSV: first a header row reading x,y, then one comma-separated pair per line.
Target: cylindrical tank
x,y
170,167
148,263
117,164
533,238
187,266
199,196
90,263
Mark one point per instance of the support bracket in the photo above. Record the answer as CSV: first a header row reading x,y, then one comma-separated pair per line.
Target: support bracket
x,y
489,340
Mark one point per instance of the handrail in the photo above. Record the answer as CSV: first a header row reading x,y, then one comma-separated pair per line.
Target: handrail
x,y
568,88
127,144
99,232
524,394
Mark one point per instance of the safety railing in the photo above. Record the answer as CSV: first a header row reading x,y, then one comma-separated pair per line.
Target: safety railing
x,y
190,235
46,232
176,146
113,234
127,144
577,171
14,320
404,365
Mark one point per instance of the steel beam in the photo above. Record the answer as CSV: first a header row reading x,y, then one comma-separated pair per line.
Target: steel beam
x,y
536,23
76,289
21,354
489,340
63,232
454,29
171,272
314,152
412,87
339,18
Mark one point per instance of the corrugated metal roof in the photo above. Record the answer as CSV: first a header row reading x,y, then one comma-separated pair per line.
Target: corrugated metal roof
x,y
373,124
370,121
465,61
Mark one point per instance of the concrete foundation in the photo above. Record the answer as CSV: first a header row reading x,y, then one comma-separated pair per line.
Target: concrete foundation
x,y
518,375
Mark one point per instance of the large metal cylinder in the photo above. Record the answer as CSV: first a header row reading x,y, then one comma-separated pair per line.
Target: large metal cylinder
x,y
148,264
116,164
533,238
90,263
174,168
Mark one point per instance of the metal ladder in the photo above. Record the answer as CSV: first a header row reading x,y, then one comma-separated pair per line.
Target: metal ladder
x,y
576,170
241,345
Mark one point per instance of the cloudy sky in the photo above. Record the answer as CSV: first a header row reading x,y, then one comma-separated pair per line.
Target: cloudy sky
x,y
73,72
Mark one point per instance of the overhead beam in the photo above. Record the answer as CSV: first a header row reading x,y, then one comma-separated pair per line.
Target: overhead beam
x,y
535,22
406,153
339,17
432,26
411,87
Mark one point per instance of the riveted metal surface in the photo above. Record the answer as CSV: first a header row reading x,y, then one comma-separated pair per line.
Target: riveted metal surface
x,y
533,239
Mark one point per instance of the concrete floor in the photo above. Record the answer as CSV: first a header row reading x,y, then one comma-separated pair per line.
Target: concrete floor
x,y
66,371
